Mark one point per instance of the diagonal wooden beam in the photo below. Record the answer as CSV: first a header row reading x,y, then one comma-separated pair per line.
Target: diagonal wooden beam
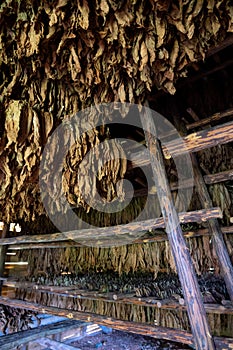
x,y
214,228
195,307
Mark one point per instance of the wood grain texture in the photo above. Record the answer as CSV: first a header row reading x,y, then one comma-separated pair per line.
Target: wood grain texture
x,y
192,143
133,227
113,297
8,342
214,228
156,332
212,118
195,307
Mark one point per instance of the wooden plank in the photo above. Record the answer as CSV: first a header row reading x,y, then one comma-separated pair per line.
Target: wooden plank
x,y
192,143
121,298
134,327
53,344
214,228
156,332
212,118
209,179
219,177
156,237
108,232
9,341
195,307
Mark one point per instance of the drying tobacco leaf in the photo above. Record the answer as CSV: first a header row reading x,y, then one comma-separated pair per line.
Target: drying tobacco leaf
x,y
59,57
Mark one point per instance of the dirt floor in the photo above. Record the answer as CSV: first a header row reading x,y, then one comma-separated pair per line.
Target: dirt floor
x,y
118,340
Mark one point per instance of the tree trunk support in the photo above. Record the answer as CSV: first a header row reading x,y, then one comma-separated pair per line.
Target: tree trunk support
x,y
195,307
214,228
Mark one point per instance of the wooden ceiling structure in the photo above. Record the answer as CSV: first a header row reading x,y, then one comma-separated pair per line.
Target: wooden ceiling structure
x,y
49,61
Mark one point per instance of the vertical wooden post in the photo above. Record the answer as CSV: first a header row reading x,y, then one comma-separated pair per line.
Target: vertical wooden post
x,y
3,251
195,307
214,228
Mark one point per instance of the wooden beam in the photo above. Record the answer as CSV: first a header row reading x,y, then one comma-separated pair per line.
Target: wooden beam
x,y
156,332
3,251
212,118
8,342
219,177
214,228
156,237
206,73
192,143
53,344
220,46
113,297
209,179
195,307
108,232
126,326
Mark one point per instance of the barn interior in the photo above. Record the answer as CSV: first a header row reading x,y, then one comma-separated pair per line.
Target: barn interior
x,y
129,272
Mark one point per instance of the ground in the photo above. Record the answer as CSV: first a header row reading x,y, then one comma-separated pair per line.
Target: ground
x,y
118,340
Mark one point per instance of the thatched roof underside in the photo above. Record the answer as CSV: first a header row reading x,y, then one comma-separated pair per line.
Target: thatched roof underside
x,y
62,56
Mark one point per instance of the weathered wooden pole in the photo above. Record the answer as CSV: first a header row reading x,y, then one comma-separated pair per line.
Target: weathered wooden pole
x,y
10,341
194,142
195,307
156,237
212,118
214,228
104,232
3,251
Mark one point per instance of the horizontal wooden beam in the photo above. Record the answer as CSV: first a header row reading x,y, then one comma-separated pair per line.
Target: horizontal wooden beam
x,y
209,179
113,231
113,297
192,143
156,332
228,41
10,341
156,237
212,118
218,177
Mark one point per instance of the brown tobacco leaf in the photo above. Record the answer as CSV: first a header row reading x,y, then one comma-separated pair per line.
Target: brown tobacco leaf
x,y
12,122
63,56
